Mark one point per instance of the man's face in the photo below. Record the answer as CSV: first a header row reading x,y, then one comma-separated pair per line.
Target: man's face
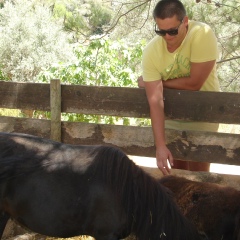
x,y
173,23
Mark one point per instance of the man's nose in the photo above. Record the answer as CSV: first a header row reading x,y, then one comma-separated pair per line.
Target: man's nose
x,y
168,36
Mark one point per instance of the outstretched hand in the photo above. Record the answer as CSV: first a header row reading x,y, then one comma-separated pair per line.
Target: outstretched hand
x,y
164,158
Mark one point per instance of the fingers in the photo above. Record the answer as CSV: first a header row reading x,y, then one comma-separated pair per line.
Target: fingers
x,y
140,82
164,168
164,159
170,159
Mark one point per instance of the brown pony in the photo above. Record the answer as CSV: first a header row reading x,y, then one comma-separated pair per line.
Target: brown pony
x,y
214,209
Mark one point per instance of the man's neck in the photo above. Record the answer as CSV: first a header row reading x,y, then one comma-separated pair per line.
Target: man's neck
x,y
172,49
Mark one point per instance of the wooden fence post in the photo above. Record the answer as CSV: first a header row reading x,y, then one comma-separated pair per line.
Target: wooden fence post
x,y
55,105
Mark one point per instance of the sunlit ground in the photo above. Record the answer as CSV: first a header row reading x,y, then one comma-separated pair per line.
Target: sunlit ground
x,y
215,168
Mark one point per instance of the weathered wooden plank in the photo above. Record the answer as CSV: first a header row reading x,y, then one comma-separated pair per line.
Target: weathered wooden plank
x,y
55,103
132,102
185,145
32,96
204,146
219,107
124,102
37,127
112,101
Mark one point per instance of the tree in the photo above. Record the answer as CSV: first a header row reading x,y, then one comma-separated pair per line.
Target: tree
x,y
224,17
83,18
30,42
102,62
87,20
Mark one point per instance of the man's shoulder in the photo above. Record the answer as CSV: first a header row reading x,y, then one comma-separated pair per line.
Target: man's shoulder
x,y
156,41
199,30
196,26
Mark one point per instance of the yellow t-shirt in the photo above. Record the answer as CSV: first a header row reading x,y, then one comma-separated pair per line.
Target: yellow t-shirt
x,y
199,45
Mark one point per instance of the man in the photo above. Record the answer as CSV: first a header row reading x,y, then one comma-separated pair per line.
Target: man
x,y
182,56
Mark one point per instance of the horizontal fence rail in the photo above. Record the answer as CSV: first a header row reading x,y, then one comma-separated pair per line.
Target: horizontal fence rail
x,y
216,107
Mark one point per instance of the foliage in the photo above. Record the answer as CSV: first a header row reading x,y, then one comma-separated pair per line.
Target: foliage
x,y
2,77
224,17
30,40
83,18
10,112
102,62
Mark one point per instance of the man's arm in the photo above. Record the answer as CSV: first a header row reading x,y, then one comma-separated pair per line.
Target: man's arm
x,y
198,75
154,91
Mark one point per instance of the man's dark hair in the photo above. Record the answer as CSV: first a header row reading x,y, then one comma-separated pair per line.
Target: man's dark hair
x,y
169,8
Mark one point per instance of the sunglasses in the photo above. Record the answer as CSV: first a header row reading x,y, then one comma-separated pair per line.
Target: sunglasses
x,y
173,32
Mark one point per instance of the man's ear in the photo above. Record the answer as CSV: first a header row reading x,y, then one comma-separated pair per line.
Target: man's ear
x,y
185,21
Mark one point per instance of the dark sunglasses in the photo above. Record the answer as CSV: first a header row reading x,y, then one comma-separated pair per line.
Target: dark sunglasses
x,y
173,32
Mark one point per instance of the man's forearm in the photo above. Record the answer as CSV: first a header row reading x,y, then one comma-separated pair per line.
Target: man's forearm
x,y
183,83
198,75
157,118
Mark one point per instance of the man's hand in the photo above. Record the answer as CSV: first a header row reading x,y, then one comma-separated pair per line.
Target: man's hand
x,y
163,157
140,82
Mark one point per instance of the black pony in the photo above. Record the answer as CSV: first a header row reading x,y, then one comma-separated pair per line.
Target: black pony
x,y
62,190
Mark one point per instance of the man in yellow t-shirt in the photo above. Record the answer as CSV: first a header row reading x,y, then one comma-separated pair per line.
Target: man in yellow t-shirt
x,y
182,56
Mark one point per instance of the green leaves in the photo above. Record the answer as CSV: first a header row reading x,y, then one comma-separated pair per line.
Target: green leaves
x,y
83,18
102,62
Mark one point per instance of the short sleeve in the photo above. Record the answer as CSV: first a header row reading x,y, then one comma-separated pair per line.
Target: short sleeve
x,y
151,60
150,71
204,45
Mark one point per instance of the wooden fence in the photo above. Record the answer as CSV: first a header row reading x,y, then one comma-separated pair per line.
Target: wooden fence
x,y
213,107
